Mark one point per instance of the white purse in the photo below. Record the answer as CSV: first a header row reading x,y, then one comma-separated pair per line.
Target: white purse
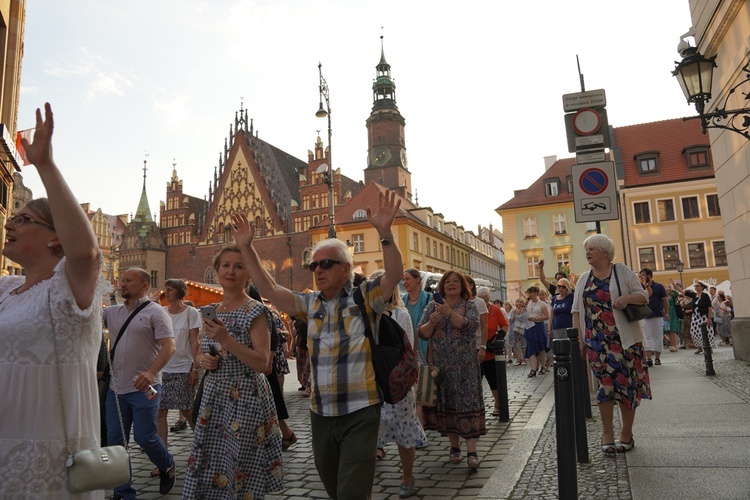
x,y
96,468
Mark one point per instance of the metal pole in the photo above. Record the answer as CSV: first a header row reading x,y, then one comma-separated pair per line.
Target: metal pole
x,y
707,351
324,94
502,380
580,398
567,474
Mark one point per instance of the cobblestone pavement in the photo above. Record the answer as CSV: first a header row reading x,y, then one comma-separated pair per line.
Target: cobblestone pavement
x,y
435,477
539,477
438,479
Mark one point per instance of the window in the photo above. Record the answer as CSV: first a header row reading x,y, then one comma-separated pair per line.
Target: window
x,y
442,254
434,248
154,279
532,261
648,163
666,210
427,246
697,255
359,243
647,258
720,253
690,208
552,188
529,227
563,259
415,242
359,214
697,157
569,182
558,224
712,201
671,255
642,212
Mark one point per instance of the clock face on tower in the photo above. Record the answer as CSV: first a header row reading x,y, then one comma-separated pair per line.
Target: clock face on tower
x,y
380,156
404,160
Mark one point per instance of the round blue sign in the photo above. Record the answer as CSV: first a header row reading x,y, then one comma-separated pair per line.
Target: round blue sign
x,y
593,181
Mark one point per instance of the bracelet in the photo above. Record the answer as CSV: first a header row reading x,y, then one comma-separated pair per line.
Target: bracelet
x,y
195,369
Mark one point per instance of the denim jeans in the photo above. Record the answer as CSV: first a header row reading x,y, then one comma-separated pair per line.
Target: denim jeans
x,y
140,413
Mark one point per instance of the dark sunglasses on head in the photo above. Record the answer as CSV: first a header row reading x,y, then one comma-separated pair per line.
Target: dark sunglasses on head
x,y
324,264
20,220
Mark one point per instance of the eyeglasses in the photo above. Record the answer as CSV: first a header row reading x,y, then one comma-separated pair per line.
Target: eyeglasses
x,y
562,286
20,220
324,264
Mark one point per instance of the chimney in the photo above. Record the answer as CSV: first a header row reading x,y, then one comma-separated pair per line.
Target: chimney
x,y
549,161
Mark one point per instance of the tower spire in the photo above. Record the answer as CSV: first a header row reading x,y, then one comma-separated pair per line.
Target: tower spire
x,y
143,213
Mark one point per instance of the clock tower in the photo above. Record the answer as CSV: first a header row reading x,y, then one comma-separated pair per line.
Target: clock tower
x,y
386,146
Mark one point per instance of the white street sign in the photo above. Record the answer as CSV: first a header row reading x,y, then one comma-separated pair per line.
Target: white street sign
x,y
595,191
579,100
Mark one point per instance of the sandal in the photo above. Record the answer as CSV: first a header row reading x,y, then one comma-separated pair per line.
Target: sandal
x,y
472,460
455,456
657,361
496,412
531,374
622,446
609,448
155,472
180,425
380,455
287,442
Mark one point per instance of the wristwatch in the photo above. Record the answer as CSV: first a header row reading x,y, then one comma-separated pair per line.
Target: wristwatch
x,y
386,241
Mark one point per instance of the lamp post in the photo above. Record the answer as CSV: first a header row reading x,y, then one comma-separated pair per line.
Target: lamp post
x,y
323,113
680,268
695,75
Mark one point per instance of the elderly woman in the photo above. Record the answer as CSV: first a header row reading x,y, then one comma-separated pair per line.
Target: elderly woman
x,y
614,345
702,312
50,327
515,339
449,325
236,451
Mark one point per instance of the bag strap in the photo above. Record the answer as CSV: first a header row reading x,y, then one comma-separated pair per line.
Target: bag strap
x,y
125,326
69,461
360,301
617,280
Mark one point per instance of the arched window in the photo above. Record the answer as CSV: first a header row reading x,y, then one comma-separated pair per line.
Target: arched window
x,y
209,276
359,214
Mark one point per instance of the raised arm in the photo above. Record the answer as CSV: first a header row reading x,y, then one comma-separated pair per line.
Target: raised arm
x,y
73,228
382,220
279,296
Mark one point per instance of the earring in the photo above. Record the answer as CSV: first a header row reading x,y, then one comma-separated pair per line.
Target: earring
x,y
49,244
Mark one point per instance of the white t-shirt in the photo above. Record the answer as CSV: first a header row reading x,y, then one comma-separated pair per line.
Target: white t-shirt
x,y
482,308
182,323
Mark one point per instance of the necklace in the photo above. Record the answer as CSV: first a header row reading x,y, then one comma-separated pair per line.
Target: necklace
x,y
12,293
414,300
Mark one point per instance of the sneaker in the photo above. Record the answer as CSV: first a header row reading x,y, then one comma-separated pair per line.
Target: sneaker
x,y
166,480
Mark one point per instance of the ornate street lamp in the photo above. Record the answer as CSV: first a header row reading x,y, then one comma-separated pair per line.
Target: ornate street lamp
x,y
695,75
680,268
328,179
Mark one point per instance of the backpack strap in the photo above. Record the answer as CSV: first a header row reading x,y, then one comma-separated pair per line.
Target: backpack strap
x,y
360,300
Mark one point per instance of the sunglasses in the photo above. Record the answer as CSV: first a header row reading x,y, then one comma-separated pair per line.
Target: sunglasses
x,y
20,220
324,264
562,286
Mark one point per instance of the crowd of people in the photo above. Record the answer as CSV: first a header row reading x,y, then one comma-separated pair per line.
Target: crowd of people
x,y
51,328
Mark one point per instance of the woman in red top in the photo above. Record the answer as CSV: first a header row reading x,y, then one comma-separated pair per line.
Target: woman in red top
x,y
496,324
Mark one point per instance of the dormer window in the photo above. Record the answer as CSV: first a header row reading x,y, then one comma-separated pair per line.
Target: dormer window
x,y
648,163
697,157
359,214
552,187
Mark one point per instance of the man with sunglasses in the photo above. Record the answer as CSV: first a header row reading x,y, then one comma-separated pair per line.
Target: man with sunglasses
x,y
345,402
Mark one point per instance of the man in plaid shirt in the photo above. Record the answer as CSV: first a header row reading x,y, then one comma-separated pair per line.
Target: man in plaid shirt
x,y
345,402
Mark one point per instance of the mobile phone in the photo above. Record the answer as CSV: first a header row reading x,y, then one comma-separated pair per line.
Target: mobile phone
x,y
209,312
437,298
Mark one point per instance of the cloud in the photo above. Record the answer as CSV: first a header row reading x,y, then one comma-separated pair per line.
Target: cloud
x,y
100,80
29,90
175,110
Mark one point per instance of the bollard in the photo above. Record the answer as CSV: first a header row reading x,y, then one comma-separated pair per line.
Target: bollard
x,y
707,352
580,398
502,380
567,474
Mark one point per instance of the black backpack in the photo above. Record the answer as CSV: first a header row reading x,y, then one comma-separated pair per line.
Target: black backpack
x,y
678,310
393,359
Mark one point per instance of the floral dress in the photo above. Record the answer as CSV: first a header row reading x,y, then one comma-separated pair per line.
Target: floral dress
x,y
236,451
460,405
620,371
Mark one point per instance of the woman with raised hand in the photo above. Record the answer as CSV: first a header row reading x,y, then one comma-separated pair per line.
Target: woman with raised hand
x,y
50,327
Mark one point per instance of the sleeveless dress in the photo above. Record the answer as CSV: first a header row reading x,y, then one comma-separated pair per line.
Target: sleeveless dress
x,y
32,444
621,372
236,451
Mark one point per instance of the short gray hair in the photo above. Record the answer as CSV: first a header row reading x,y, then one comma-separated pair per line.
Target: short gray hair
x,y
342,252
603,243
483,291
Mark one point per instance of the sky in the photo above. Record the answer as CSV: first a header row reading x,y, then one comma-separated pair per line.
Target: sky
x,y
479,83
